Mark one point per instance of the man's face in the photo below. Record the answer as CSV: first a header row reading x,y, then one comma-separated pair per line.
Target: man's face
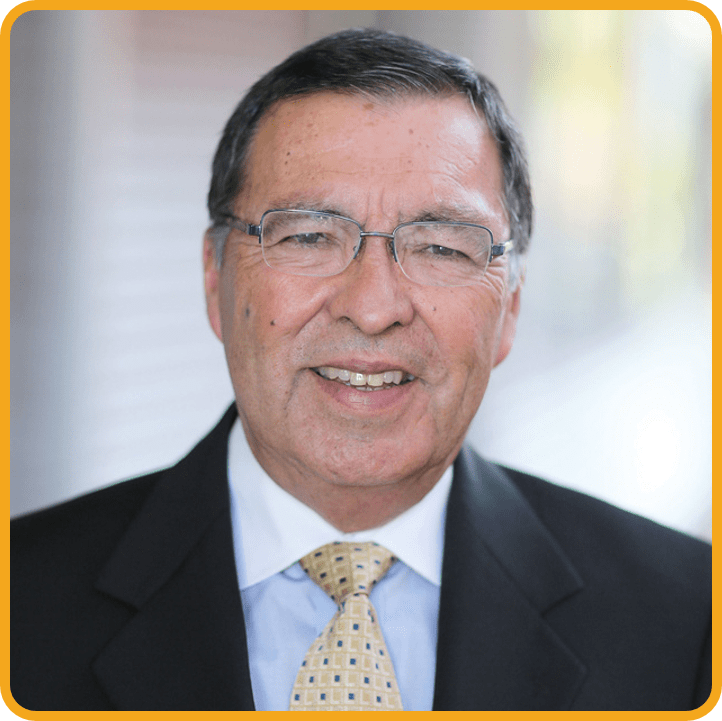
x,y
381,163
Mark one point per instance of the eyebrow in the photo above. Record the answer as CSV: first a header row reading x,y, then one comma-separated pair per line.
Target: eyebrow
x,y
445,214
451,213
316,206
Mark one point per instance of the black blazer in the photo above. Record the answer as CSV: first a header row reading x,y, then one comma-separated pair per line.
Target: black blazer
x,y
127,598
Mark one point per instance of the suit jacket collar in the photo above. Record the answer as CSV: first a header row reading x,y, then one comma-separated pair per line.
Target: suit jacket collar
x,y
185,647
502,571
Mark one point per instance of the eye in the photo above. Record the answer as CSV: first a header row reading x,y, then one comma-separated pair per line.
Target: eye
x,y
306,239
445,252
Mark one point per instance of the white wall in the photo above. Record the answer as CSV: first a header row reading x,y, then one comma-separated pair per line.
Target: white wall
x,y
116,117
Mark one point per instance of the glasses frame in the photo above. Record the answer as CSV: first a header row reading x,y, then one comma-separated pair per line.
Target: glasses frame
x,y
253,230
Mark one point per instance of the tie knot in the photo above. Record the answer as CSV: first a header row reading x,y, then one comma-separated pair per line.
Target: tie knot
x,y
342,568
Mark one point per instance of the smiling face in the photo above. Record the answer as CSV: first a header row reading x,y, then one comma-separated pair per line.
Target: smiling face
x,y
361,454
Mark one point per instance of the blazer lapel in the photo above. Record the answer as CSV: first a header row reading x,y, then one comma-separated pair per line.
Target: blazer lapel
x,y
502,571
185,647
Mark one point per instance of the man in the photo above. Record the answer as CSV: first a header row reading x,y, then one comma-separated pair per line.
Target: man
x,y
371,209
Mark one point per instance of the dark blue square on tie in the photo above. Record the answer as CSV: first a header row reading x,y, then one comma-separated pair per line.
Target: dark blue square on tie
x,y
310,679
350,696
297,697
366,679
340,643
355,627
388,684
325,662
339,558
336,678
323,697
316,555
352,661
368,645
378,699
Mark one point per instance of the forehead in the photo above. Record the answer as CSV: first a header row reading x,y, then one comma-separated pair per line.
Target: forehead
x,y
372,155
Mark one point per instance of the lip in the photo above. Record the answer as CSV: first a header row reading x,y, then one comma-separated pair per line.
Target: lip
x,y
366,367
358,401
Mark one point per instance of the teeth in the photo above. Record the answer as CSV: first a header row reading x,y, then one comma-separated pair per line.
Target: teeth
x,y
359,380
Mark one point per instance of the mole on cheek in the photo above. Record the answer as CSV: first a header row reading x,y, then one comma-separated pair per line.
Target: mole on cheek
x,y
248,311
273,322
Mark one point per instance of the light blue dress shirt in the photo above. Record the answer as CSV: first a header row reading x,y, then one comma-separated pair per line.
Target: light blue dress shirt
x,y
285,611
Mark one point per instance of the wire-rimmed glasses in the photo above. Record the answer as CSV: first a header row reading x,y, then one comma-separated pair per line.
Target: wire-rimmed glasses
x,y
316,243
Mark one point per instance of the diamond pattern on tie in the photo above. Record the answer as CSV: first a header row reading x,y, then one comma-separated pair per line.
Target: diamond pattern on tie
x,y
348,667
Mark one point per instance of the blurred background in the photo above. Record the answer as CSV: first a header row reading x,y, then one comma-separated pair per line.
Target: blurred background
x,y
114,119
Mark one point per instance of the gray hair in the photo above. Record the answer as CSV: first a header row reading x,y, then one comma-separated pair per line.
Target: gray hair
x,y
379,64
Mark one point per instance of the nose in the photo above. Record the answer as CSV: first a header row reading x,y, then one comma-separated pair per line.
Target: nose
x,y
372,292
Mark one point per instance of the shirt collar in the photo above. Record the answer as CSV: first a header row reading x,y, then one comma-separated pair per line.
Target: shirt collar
x,y
272,529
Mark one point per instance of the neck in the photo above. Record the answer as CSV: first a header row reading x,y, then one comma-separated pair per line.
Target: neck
x,y
351,509
349,506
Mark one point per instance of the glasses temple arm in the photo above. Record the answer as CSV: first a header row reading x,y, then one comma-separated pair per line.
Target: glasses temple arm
x,y
233,222
497,250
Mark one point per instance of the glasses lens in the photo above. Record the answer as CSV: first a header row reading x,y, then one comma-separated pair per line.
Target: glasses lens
x,y
307,243
449,254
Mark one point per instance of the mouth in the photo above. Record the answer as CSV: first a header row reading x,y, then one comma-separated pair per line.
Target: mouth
x,y
365,381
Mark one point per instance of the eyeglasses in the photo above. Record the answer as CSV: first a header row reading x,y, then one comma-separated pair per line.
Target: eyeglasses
x,y
314,243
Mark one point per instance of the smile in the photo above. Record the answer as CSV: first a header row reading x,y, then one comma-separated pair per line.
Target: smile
x,y
364,381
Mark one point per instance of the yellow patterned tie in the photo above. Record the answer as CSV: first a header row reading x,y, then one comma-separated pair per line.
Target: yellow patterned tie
x,y
348,667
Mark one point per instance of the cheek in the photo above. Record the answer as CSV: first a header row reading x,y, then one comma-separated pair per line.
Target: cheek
x,y
467,340
240,304
266,317
472,348
247,296
470,325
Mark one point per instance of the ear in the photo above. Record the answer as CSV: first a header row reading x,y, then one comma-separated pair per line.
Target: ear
x,y
211,281
508,325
